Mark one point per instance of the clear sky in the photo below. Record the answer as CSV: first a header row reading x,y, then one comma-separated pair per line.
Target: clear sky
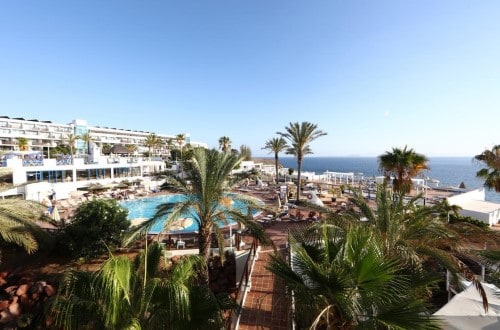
x,y
372,74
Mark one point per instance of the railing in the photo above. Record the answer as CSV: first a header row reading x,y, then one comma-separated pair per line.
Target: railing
x,y
243,285
65,160
32,162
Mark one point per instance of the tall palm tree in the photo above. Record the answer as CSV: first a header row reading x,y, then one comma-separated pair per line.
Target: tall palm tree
x,y
299,136
126,294
151,142
87,138
206,200
276,145
224,143
160,145
490,174
23,143
169,144
180,139
17,223
340,280
403,164
246,152
71,139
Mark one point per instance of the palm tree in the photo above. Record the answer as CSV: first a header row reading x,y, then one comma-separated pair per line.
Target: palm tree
x,y
17,223
245,152
340,280
180,139
416,234
87,138
447,208
72,138
151,142
299,136
131,148
276,145
23,143
403,164
206,200
410,231
126,294
106,148
490,174
224,143
169,144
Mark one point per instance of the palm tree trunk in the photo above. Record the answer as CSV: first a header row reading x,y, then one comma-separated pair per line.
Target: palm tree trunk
x,y
204,239
299,184
276,166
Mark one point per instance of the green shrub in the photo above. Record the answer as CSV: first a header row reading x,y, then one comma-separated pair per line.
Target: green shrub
x,y
471,220
97,225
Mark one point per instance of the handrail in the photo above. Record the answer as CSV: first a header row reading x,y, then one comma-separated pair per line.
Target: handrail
x,y
243,284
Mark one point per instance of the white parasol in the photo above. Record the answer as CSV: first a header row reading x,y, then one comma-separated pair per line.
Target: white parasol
x,y
55,214
181,224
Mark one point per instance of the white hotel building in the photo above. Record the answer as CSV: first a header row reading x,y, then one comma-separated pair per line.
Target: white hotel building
x,y
35,175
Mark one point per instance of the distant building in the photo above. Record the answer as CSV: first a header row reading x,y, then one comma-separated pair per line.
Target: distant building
x,y
43,135
473,205
35,175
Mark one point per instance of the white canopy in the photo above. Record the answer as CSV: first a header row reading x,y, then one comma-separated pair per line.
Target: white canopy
x,y
465,310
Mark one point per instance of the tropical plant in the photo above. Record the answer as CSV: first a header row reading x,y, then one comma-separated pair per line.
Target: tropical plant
x,y
106,148
180,139
97,226
151,142
299,136
446,209
87,138
206,199
17,223
415,233
224,143
341,280
139,294
131,148
23,143
245,152
169,145
276,145
71,139
491,260
491,173
403,164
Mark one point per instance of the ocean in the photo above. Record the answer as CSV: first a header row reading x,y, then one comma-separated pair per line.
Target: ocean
x,y
450,171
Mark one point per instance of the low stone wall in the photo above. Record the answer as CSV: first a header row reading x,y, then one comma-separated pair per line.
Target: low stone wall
x,y
21,295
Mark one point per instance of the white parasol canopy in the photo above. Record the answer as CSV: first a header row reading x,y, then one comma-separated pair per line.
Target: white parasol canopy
x,y
465,310
181,224
55,214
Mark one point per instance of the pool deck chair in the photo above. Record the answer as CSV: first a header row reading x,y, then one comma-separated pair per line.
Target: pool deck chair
x,y
180,244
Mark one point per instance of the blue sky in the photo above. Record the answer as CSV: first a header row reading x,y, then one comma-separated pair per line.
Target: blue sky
x,y
372,74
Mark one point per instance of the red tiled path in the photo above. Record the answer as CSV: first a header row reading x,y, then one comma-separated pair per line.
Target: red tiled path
x,y
266,306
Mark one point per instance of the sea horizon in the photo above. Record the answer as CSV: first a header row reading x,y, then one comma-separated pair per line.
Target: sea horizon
x,y
449,170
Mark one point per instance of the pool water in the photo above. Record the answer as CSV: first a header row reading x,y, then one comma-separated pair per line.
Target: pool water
x,y
146,208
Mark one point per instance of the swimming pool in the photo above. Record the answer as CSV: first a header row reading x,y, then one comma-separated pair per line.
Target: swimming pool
x,y
145,208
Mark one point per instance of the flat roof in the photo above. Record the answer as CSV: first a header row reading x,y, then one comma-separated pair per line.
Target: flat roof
x,y
480,206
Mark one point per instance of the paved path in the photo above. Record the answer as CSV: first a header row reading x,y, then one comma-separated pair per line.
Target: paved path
x,y
266,306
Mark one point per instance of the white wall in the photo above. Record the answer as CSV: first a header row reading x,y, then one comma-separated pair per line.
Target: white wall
x,y
475,195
